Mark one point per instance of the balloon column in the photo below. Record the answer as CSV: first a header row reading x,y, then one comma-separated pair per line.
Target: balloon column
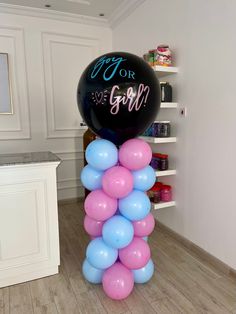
x,y
118,215
118,98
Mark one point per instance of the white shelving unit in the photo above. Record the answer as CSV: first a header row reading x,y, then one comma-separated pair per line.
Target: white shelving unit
x,y
169,105
165,173
163,205
161,72
165,70
160,140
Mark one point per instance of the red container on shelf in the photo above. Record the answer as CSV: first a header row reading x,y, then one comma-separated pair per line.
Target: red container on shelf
x,y
159,184
166,193
155,193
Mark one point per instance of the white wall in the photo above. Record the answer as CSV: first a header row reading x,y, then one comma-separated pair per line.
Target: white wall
x,y
202,35
47,57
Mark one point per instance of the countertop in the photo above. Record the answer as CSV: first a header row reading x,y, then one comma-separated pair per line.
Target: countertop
x,y
27,158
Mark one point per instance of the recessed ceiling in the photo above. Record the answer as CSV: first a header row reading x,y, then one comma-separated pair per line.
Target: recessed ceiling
x,y
92,8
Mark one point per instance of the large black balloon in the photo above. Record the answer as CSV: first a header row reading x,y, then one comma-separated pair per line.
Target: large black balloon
x,y
118,96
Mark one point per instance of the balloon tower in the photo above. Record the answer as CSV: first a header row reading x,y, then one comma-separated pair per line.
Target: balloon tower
x,y
118,97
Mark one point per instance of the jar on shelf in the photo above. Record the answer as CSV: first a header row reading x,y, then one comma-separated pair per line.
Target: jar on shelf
x,y
161,129
150,194
153,57
163,162
166,92
155,161
159,184
166,193
156,194
164,56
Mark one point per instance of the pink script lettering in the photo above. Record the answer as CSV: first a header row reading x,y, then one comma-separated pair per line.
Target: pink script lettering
x,y
134,99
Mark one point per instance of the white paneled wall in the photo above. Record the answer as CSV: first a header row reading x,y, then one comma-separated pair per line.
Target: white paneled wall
x,y
16,126
64,57
47,57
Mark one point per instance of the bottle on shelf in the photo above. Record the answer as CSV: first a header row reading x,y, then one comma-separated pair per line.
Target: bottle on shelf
x,y
166,92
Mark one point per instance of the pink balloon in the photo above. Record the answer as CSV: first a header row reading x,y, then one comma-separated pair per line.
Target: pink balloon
x,y
135,154
99,206
144,227
117,182
93,227
136,254
118,282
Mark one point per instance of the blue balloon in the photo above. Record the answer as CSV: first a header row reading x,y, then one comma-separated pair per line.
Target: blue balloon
x,y
117,232
144,178
92,274
144,274
101,154
91,178
135,206
145,239
100,255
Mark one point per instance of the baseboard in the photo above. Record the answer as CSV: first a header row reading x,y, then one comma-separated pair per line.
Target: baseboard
x,y
199,252
24,277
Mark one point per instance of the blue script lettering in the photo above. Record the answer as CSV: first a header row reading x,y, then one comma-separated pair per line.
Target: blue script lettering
x,y
109,66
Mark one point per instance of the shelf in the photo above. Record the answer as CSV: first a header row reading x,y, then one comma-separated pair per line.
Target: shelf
x,y
169,105
160,140
165,173
163,205
163,71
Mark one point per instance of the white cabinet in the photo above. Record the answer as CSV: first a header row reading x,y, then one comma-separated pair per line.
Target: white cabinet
x,y
29,240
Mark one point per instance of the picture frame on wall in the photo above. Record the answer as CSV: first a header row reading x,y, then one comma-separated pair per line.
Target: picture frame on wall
x,y
6,106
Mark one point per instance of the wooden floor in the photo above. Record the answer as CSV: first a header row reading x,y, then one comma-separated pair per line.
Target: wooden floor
x,y
181,284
